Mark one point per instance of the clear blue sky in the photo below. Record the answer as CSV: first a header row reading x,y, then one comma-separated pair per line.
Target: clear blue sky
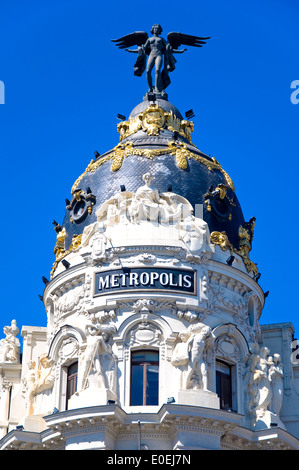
x,y
65,82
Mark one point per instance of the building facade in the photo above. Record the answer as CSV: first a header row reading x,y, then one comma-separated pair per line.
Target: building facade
x,y
153,337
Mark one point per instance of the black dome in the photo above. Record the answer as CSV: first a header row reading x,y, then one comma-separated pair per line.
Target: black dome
x,y
165,151
163,103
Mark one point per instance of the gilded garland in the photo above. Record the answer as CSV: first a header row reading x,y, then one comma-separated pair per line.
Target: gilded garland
x,y
153,121
175,148
59,249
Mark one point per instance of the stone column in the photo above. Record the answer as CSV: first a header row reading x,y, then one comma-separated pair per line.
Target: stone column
x,y
4,408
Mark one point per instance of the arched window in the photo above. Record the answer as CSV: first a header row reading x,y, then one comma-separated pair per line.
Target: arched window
x,y
224,385
72,375
144,378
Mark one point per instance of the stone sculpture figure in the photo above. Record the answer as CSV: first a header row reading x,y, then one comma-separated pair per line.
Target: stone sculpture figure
x,y
250,364
10,346
276,380
176,210
97,366
146,202
115,210
195,234
261,384
38,381
191,351
150,205
160,53
180,355
264,381
29,381
198,375
147,205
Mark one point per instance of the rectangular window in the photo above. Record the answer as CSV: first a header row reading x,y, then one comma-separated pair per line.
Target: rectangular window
x,y
72,375
145,378
224,385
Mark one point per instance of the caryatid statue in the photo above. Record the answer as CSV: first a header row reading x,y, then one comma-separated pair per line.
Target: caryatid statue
x,y
97,367
160,53
191,351
10,346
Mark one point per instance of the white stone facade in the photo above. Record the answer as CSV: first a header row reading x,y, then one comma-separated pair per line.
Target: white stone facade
x,y
150,248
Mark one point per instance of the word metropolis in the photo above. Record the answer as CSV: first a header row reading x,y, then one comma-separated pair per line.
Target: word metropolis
x,y
176,280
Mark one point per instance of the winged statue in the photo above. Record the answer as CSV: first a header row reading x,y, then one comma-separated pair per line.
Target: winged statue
x,y
160,53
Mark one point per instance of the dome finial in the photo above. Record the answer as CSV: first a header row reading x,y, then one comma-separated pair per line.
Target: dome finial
x,y
160,53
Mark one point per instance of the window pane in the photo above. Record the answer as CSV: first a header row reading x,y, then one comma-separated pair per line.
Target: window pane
x,y
223,385
144,378
152,388
145,356
226,393
73,369
72,374
221,367
137,385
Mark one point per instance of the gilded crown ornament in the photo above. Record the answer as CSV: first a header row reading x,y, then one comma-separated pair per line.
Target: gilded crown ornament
x,y
152,120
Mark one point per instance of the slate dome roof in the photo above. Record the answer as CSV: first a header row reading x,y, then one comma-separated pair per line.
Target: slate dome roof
x,y
156,139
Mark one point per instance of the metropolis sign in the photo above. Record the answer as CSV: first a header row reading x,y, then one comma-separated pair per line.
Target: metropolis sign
x,y
141,279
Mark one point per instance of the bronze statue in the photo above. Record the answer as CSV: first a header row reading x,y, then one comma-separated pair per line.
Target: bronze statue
x,y
157,48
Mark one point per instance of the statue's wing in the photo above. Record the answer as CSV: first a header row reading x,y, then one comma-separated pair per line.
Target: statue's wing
x,y
138,38
177,39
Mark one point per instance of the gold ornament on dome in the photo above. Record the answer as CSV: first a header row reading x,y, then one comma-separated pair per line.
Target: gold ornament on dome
x,y
245,238
221,239
222,190
175,148
59,249
219,193
153,120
